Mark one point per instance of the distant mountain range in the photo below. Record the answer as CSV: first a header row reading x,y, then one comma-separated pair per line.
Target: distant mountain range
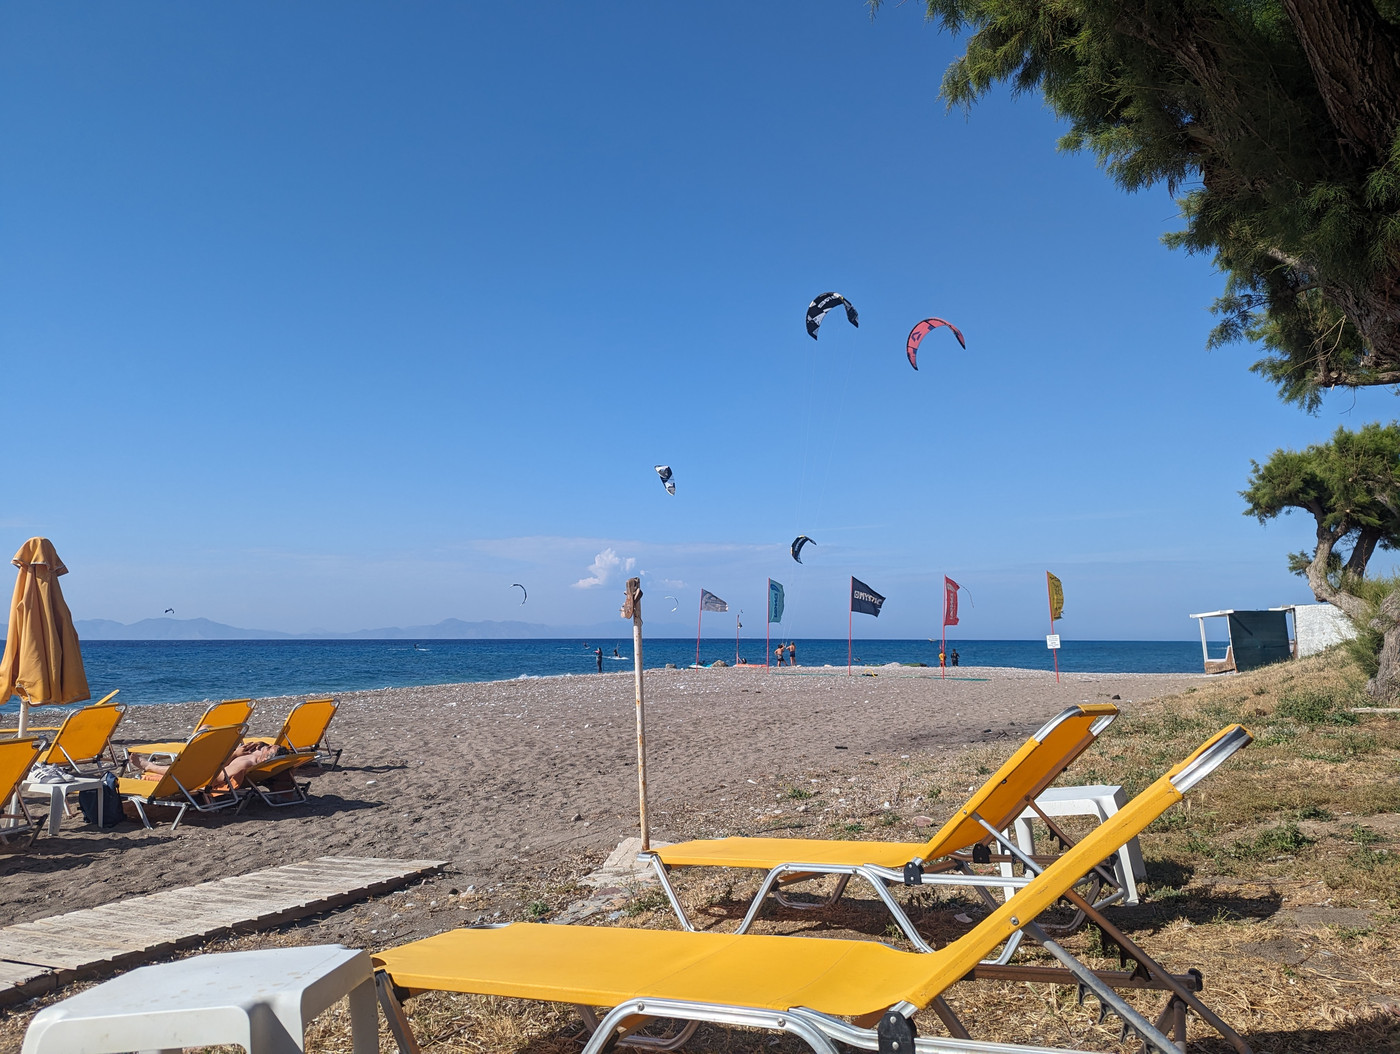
x,y
447,629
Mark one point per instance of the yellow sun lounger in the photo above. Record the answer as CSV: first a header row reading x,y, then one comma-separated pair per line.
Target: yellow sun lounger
x,y
220,715
805,987
85,736
195,777
17,756
944,859
304,731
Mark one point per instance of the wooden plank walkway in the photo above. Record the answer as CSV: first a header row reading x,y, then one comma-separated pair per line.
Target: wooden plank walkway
x,y
37,957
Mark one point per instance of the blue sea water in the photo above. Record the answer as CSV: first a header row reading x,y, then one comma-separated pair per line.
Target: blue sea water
x,y
181,671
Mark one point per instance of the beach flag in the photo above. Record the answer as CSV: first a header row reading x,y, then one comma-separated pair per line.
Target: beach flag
x,y
775,601
864,600
710,602
1057,597
950,601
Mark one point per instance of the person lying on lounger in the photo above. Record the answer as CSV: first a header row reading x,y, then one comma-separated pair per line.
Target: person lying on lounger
x,y
246,757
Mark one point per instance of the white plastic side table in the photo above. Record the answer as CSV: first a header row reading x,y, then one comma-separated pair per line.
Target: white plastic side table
x,y
58,796
260,1000
1098,800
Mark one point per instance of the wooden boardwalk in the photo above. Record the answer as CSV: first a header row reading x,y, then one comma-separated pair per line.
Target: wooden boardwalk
x,y
36,957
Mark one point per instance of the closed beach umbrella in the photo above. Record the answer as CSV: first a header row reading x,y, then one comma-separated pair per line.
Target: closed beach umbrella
x,y
42,663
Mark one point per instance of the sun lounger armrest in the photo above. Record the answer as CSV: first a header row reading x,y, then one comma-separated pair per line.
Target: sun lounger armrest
x,y
1210,759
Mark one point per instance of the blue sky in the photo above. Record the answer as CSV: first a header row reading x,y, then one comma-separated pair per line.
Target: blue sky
x,y
347,315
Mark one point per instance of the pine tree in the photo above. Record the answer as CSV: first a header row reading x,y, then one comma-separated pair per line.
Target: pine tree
x,y
1275,122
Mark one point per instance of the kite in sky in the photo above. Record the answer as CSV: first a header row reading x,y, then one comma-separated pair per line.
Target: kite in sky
x,y
664,471
524,593
922,330
797,544
817,309
675,605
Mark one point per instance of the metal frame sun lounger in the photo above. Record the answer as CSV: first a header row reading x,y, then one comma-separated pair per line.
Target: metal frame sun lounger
x,y
945,859
219,715
293,793
304,731
803,987
17,756
85,736
192,778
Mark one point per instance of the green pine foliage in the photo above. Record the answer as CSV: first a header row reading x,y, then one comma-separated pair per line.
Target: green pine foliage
x,y
1349,485
1276,123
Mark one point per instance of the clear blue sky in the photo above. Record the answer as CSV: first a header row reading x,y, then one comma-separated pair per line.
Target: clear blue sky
x,y
337,315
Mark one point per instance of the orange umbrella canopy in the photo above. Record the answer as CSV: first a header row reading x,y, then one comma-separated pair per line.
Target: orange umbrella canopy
x,y
42,662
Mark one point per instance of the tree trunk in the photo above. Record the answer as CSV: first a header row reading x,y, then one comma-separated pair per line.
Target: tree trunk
x,y
1351,606
1385,685
1354,54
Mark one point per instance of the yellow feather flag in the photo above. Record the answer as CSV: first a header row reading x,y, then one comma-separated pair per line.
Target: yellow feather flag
x,y
1057,596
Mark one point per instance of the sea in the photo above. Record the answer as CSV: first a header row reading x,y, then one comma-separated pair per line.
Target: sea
x,y
196,670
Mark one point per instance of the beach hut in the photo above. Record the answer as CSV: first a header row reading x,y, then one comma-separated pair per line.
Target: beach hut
x,y
1255,638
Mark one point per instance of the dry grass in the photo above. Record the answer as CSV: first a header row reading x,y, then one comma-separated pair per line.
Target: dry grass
x,y
1279,878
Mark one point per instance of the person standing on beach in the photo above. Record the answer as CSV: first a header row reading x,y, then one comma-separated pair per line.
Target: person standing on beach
x,y
792,653
598,654
953,656
942,659
778,654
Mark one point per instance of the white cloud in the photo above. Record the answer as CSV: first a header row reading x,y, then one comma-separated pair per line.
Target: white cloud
x,y
602,568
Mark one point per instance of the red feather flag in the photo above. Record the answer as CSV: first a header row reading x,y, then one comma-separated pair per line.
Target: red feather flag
x,y
950,601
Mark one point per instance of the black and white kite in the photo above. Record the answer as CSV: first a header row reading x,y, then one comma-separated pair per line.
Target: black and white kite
x,y
676,604
797,544
664,471
817,309
524,595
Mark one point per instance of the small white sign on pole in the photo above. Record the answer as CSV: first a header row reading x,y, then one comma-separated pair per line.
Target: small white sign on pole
x,y
1052,641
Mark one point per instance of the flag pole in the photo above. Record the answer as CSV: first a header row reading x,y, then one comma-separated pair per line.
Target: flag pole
x,y
699,616
943,648
1051,602
634,603
768,629
850,619
737,627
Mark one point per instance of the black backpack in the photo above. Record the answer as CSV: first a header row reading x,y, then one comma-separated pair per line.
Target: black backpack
x,y
111,802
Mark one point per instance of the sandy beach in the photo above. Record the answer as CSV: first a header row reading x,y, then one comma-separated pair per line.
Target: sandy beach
x,y
535,780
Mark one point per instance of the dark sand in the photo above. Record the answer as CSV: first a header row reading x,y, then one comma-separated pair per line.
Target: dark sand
x,y
536,779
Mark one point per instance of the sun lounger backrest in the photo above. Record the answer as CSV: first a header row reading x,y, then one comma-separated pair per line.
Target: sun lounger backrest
x,y
229,712
957,958
1026,773
199,763
85,733
306,725
17,756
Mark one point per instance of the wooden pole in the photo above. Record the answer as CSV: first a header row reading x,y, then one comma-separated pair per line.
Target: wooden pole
x,y
633,606
850,621
1051,602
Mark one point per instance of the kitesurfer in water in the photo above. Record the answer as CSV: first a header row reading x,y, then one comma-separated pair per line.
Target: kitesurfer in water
x,y
953,656
598,654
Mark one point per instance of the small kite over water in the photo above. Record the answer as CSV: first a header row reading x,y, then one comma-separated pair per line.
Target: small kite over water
x,y
170,611
664,471
797,544
817,309
922,330
524,593
675,604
